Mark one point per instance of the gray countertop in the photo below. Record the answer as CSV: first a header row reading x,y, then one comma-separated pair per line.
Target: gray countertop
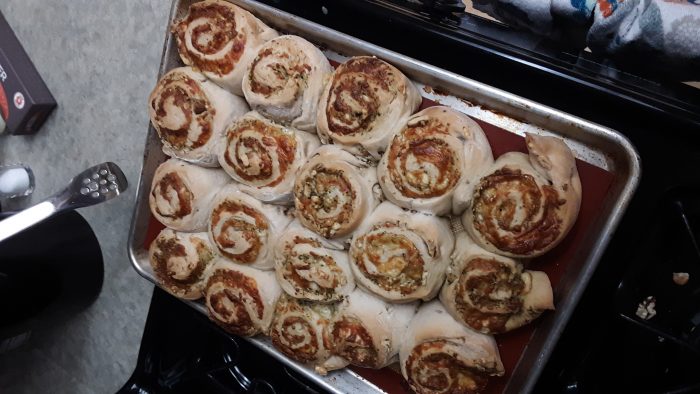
x,y
100,59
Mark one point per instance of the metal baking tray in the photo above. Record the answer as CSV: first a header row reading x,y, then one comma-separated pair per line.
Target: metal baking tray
x,y
591,143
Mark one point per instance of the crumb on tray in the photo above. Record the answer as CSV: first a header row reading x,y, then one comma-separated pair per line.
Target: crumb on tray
x,y
645,309
681,278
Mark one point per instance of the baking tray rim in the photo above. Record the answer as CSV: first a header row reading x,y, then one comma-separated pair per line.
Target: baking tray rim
x,y
628,164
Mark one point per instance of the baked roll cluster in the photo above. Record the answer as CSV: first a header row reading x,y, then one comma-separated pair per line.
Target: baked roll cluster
x,y
333,222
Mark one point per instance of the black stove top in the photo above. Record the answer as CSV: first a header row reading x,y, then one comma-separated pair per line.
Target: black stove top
x,y
183,353
606,347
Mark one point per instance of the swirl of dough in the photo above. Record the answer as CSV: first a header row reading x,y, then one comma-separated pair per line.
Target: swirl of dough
x,y
438,150
241,299
285,81
367,331
299,331
438,355
244,230
401,256
181,194
190,113
366,101
334,192
220,39
492,293
265,157
312,268
180,261
524,206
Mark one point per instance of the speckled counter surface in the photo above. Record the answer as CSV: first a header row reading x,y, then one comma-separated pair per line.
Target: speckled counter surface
x,y
100,59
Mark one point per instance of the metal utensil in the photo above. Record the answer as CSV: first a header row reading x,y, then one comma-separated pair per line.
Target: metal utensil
x,y
95,185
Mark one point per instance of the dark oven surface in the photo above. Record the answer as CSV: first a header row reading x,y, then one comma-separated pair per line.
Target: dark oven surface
x,y
182,352
606,345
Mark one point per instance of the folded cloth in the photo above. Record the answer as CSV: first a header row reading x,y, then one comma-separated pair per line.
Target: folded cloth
x,y
573,11
670,28
665,30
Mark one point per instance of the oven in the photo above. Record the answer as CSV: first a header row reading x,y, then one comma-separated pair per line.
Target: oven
x,y
607,345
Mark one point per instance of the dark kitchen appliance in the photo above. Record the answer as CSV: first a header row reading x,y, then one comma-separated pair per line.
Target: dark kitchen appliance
x,y
605,346
47,273
50,260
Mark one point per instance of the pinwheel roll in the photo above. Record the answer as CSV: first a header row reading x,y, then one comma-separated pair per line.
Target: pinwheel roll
x,y
244,230
190,114
438,150
367,331
365,103
181,194
401,256
241,299
439,355
180,262
334,192
285,81
299,331
265,157
492,293
220,40
312,268
523,206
